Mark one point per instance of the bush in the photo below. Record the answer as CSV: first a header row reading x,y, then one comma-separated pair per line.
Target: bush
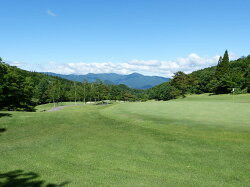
x,y
240,91
164,92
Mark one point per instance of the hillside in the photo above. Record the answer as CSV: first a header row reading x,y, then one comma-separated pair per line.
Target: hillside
x,y
225,78
134,80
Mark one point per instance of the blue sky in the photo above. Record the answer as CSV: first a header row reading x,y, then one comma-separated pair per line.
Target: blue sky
x,y
134,35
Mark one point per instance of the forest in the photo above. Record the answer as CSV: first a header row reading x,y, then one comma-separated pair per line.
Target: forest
x,y
22,90
226,77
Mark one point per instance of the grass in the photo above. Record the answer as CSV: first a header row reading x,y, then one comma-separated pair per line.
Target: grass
x,y
197,141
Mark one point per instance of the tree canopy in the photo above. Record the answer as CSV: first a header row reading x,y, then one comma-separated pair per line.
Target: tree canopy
x,y
218,79
23,90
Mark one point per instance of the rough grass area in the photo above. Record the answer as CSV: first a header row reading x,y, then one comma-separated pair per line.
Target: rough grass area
x,y
197,141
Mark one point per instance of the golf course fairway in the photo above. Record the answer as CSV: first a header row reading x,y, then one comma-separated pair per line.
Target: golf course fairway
x,y
200,140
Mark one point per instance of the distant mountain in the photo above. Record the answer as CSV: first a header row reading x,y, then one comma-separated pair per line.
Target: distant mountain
x,y
134,80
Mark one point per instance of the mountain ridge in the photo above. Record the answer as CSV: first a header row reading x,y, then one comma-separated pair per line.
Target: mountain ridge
x,y
133,80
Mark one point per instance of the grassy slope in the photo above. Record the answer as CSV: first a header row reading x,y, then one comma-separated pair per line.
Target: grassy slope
x,y
201,140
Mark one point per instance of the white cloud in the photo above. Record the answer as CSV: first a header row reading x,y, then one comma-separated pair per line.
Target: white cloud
x,y
16,63
147,67
50,13
233,56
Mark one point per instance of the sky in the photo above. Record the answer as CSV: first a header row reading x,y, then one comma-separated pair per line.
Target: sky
x,y
152,37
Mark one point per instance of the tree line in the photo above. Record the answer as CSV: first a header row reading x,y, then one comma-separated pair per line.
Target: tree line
x,y
226,77
23,90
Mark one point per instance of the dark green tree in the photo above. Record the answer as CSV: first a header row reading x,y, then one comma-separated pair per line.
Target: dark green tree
x,y
218,69
164,92
41,91
246,82
3,73
222,75
223,66
181,81
17,91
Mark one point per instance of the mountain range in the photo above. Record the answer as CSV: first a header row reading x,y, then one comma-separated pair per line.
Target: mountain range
x,y
134,80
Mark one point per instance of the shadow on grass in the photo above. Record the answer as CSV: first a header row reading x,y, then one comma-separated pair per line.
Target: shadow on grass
x,y
19,178
5,115
2,130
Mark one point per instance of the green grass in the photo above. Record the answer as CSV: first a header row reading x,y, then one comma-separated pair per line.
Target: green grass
x,y
197,141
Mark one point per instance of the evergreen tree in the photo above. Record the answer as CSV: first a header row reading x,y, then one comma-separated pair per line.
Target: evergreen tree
x,y
218,71
222,75
223,66
41,92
